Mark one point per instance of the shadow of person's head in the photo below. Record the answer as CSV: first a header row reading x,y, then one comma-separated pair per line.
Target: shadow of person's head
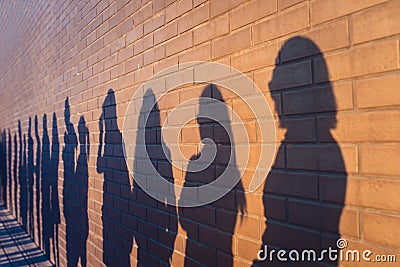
x,y
67,112
150,120
44,124
301,93
55,128
109,109
36,126
214,116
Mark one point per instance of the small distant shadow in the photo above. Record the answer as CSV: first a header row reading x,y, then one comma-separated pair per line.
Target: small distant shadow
x,y
31,182
3,171
49,191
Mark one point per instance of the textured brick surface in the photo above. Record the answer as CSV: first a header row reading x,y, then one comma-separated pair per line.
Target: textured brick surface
x,y
329,70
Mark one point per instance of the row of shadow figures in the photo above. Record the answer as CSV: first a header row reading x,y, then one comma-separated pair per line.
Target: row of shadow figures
x,y
30,171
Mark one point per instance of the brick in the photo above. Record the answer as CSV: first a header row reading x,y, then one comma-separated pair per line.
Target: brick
x,y
193,18
231,43
213,28
153,24
379,159
153,55
379,228
374,126
169,63
133,63
143,44
332,36
254,202
198,2
378,92
252,11
363,192
298,130
198,53
203,254
323,10
125,53
178,8
143,73
255,58
322,157
215,238
218,7
248,248
249,226
380,22
274,208
143,13
281,24
158,5
289,76
178,44
292,184
134,34
287,3
358,62
288,236
165,33
321,99
330,218
131,7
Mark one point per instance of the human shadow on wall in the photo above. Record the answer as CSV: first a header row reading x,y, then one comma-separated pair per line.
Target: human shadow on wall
x,y
3,164
305,190
82,177
31,182
55,205
22,177
15,178
49,191
206,244
38,182
9,173
75,189
157,221
117,234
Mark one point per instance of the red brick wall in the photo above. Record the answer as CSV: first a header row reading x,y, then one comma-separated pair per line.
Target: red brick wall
x,y
329,69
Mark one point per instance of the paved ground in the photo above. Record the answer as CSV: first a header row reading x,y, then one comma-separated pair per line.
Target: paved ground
x,y
16,247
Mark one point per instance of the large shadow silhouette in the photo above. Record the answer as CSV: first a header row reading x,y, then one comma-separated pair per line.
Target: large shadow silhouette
x,y
158,223
75,189
49,190
117,234
198,222
312,201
